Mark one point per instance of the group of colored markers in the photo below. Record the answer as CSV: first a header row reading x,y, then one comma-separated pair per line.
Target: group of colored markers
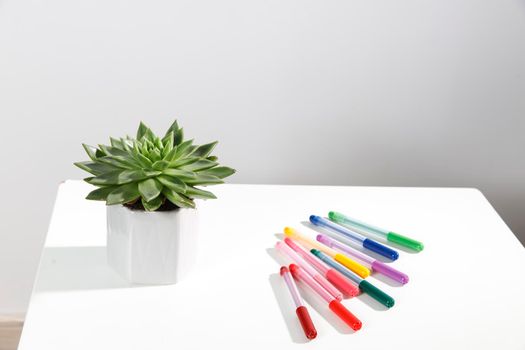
x,y
327,265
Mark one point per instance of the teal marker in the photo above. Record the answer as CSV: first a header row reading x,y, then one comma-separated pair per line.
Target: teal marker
x,y
389,235
364,286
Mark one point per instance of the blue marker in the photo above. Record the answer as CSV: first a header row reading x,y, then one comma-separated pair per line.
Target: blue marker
x,y
367,243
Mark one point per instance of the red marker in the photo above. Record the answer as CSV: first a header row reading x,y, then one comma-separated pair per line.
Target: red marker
x,y
334,304
301,310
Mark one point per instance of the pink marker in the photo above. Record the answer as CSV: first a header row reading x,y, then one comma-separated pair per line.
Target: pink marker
x,y
332,275
283,248
334,304
376,265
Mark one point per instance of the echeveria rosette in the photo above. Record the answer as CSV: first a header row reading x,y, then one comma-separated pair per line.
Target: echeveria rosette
x,y
153,169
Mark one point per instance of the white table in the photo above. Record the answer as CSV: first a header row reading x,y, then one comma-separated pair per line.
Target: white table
x,y
467,288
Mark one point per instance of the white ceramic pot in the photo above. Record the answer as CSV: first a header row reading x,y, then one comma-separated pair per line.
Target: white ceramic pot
x,y
151,247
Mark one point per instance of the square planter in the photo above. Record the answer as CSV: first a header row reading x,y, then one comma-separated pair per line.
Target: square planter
x,y
151,247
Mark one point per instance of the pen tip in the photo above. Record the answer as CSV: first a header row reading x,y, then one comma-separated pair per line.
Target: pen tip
x,y
283,270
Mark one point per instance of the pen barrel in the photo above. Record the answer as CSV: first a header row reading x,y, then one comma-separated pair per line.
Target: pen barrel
x,y
376,293
306,322
352,265
404,241
390,272
345,315
380,249
323,282
341,283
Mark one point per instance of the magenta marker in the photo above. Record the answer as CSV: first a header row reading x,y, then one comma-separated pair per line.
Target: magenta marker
x,y
376,265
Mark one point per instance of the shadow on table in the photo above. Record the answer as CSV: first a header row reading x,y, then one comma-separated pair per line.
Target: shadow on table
x,y
77,268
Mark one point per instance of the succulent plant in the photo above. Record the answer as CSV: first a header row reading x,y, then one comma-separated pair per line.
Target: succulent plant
x,y
153,173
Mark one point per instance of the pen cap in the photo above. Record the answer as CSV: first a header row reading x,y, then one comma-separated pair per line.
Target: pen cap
x,y
325,240
389,271
352,265
380,249
376,293
345,315
288,231
316,220
341,283
404,241
335,216
306,322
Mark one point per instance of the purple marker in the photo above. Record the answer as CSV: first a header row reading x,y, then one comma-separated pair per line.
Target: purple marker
x,y
376,265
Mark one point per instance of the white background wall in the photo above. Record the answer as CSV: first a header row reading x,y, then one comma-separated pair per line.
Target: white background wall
x,y
376,92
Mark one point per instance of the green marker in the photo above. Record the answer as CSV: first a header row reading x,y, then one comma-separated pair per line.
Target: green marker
x,y
390,236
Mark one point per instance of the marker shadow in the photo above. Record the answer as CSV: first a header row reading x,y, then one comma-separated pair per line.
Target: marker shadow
x,y
374,304
280,236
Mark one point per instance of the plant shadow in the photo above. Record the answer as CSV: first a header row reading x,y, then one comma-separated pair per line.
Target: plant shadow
x,y
77,268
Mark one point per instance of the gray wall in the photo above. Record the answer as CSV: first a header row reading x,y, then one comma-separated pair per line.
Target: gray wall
x,y
398,93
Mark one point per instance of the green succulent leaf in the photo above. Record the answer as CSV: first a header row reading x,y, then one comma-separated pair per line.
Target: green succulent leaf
x,y
121,177
123,194
184,161
173,128
178,199
183,149
155,155
220,171
167,144
99,153
144,161
101,194
113,151
204,150
149,189
152,205
116,143
95,168
194,192
204,180
178,138
172,183
144,132
126,145
199,165
178,173
160,165
91,151
119,162
170,156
